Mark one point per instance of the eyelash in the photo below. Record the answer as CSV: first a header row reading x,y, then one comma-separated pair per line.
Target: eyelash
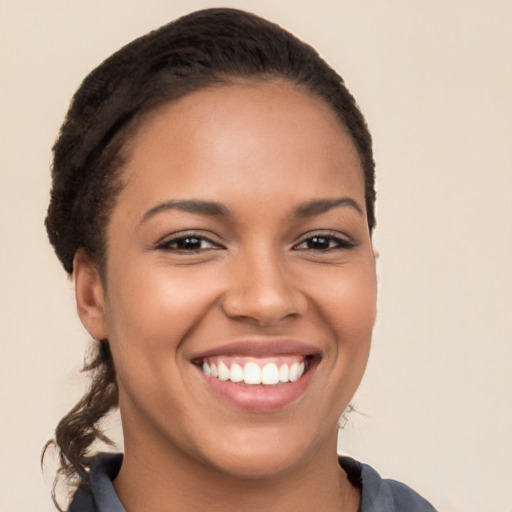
x,y
332,240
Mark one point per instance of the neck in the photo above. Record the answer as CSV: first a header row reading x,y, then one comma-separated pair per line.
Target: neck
x,y
170,481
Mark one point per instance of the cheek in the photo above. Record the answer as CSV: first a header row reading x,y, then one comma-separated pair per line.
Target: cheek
x,y
350,303
150,313
158,300
350,309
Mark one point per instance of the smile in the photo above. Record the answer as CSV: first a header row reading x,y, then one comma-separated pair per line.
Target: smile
x,y
262,375
256,371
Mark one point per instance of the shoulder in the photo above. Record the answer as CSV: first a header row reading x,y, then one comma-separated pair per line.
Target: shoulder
x,y
380,494
96,493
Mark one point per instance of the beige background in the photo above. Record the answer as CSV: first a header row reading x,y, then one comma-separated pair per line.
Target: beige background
x,y
434,79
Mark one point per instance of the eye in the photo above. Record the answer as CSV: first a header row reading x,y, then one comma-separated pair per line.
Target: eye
x,y
324,242
187,243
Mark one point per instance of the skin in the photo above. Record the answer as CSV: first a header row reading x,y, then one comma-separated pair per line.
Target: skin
x,y
262,151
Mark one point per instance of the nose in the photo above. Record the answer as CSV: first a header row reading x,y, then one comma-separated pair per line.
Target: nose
x,y
261,291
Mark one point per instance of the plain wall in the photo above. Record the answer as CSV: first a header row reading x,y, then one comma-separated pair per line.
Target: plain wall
x,y
434,79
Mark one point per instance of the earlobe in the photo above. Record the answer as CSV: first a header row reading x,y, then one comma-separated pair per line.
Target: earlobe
x,y
89,295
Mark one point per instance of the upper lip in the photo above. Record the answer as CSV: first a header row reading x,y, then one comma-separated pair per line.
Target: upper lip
x,y
259,348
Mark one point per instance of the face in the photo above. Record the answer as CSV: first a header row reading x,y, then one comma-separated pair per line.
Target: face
x,y
238,251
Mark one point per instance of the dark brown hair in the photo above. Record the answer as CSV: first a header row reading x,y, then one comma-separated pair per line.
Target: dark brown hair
x,y
202,49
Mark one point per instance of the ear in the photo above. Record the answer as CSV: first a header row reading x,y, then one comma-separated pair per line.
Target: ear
x,y
89,295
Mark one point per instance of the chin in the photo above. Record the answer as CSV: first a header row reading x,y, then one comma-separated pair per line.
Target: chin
x,y
264,455
258,465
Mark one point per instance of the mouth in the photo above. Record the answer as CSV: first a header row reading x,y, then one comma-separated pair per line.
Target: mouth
x,y
258,376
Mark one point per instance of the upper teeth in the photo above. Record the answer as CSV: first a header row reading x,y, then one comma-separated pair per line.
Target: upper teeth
x,y
252,373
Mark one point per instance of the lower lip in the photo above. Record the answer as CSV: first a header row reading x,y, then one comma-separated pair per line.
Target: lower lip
x,y
259,398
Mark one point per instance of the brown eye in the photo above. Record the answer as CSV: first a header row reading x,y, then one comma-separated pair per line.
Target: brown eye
x,y
319,242
324,243
188,243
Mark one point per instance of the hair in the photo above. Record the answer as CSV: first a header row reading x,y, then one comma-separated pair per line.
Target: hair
x,y
203,49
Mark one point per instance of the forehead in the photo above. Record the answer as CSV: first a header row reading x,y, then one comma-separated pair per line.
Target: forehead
x,y
253,137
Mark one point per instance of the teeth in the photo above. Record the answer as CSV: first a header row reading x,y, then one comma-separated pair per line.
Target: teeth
x,y
251,373
236,373
294,372
270,374
223,371
284,373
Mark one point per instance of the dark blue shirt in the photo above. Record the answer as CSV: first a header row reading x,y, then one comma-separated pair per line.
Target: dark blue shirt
x,y
96,494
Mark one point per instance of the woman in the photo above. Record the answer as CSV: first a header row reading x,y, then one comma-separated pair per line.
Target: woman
x,y
213,197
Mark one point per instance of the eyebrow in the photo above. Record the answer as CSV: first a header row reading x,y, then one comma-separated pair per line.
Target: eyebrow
x,y
214,209
201,207
318,206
